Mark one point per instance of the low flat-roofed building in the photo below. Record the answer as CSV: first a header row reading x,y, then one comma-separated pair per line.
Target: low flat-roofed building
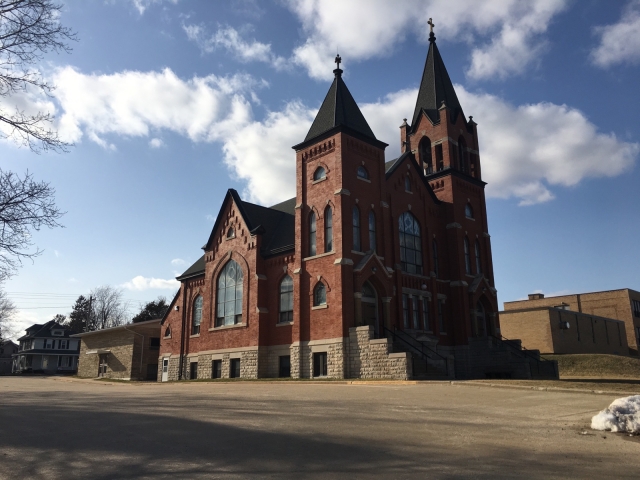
x,y
622,304
559,331
127,352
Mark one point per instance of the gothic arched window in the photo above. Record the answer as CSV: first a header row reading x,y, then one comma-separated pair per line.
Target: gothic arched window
x,y
196,315
462,156
478,262
167,332
328,229
362,173
410,244
435,257
229,295
356,229
231,232
319,295
286,300
425,155
312,234
467,256
372,231
407,183
468,211
319,174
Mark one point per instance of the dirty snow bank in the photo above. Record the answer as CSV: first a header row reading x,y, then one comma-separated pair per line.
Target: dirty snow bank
x,y
623,415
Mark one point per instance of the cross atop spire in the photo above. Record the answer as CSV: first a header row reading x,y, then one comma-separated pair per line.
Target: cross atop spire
x,y
431,24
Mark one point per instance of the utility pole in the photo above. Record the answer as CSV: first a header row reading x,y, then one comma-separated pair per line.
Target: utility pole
x,y
86,321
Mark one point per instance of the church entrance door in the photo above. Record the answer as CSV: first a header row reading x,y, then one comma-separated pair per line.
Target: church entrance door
x,y
370,308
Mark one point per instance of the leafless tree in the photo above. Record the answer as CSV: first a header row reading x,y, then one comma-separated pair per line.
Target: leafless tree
x,y
25,206
108,309
28,30
7,310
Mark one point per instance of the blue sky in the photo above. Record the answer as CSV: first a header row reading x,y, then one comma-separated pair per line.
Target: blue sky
x,y
169,103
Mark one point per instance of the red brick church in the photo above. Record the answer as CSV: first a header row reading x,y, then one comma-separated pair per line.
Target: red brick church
x,y
374,270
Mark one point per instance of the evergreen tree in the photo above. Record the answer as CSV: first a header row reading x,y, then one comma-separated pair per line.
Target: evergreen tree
x,y
154,309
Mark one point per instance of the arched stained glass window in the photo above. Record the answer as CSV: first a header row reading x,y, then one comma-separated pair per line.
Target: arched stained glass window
x,y
196,315
319,295
362,173
312,234
372,231
467,256
229,295
410,244
328,229
286,300
478,261
356,229
319,174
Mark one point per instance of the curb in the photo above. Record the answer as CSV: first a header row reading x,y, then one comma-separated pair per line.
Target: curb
x,y
471,383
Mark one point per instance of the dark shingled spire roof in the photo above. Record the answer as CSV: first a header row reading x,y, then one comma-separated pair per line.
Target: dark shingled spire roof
x,y
339,108
435,87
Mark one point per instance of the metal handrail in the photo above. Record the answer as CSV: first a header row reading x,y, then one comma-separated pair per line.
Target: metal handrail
x,y
522,349
422,345
396,333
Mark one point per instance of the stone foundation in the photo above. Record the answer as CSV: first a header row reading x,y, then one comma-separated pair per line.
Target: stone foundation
x,y
369,358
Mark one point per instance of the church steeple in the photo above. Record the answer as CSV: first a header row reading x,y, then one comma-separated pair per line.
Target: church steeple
x,y
435,87
339,109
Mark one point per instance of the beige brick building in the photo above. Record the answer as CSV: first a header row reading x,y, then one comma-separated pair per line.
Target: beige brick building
x,y
600,308
128,352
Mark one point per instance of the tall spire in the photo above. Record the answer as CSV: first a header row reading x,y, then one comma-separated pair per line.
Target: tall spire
x,y
339,109
436,87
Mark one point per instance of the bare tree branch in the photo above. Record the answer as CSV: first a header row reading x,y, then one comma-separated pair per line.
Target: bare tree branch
x,y
107,308
7,311
28,30
25,206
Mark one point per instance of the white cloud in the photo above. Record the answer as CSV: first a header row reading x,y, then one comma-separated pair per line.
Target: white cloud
x,y
144,283
515,26
620,42
230,39
210,218
176,262
142,5
57,253
156,143
133,103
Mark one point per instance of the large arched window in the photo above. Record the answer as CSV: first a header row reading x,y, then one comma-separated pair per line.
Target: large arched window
x,y
328,229
319,295
312,234
372,231
435,257
286,300
319,174
478,262
229,295
425,155
467,256
462,156
196,315
356,230
410,244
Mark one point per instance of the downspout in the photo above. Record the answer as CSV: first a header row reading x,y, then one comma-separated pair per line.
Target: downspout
x,y
141,350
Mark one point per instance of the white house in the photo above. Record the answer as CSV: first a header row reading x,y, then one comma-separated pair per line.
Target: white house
x,y
47,349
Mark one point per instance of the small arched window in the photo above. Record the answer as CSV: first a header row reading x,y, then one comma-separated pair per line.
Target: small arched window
x,y
319,174
467,256
319,295
286,300
167,332
478,261
372,231
312,234
468,211
410,244
328,229
425,155
435,257
356,229
231,232
196,315
407,183
362,173
229,295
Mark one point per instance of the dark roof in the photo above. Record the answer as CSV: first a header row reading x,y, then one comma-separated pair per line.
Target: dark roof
x,y
288,206
435,88
39,331
196,269
339,109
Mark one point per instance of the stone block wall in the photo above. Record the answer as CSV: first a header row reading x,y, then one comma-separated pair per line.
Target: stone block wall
x,y
370,358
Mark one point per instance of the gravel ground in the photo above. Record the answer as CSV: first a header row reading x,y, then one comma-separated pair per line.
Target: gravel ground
x,y
65,429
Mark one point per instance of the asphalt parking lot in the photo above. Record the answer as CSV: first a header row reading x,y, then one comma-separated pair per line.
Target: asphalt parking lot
x,y
64,429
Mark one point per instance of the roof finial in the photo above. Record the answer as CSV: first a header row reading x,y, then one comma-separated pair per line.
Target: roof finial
x,y
432,36
338,71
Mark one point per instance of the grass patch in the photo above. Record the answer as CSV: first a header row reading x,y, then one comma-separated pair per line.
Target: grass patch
x,y
597,365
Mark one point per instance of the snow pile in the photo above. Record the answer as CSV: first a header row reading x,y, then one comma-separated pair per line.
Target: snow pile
x,y
623,415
